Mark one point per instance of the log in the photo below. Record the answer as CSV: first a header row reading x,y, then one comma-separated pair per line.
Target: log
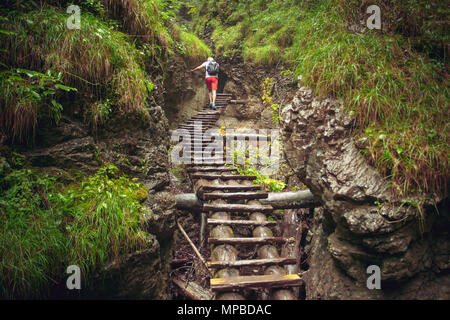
x,y
192,289
235,195
248,240
242,282
254,262
281,200
194,247
238,102
291,200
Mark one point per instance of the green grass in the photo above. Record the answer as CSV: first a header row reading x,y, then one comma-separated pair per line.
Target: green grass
x,y
192,47
45,227
390,81
108,60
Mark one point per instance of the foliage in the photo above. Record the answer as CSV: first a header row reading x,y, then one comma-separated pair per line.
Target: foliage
x,y
267,99
394,81
271,185
45,227
26,94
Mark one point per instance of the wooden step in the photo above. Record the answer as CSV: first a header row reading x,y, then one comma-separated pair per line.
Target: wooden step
x,y
248,240
210,169
266,281
241,222
235,196
223,176
208,188
232,207
254,262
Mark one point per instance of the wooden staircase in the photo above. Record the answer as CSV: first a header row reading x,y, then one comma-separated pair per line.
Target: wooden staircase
x,y
231,201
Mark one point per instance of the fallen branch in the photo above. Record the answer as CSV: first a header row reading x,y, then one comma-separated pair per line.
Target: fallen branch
x,y
194,247
192,289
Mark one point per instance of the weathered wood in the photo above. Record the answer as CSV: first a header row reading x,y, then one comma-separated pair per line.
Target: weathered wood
x,y
292,200
210,169
238,101
188,201
179,262
281,200
248,240
192,290
232,207
242,282
241,222
208,188
235,195
194,247
254,262
223,176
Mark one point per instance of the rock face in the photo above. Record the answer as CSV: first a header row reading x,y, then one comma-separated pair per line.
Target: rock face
x,y
360,223
139,148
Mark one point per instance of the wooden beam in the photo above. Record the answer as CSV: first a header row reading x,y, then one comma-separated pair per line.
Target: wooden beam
x,y
267,281
292,200
241,222
254,262
235,195
231,207
248,240
279,200
223,176
210,169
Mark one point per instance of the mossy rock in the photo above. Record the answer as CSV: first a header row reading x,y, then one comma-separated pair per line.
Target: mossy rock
x,y
142,194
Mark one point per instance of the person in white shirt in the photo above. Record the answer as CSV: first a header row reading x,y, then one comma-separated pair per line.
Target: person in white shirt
x,y
211,78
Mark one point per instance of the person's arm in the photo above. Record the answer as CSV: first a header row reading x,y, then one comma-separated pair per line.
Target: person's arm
x,y
199,67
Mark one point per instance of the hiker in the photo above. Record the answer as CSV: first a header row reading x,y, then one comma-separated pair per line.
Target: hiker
x,y
212,79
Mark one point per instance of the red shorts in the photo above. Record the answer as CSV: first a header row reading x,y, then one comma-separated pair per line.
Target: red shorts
x,y
212,83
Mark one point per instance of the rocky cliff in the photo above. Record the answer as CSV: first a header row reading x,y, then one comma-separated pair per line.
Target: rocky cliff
x,y
361,223
139,148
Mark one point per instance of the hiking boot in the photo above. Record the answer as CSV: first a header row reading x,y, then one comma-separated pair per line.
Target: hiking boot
x,y
210,105
214,107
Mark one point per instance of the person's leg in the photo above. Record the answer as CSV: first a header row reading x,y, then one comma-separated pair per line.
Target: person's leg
x,y
210,98
214,86
214,93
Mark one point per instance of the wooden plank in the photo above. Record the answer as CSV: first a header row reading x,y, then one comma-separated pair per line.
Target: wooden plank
x,y
254,262
266,281
233,207
229,188
248,240
235,195
192,290
223,176
210,169
241,222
